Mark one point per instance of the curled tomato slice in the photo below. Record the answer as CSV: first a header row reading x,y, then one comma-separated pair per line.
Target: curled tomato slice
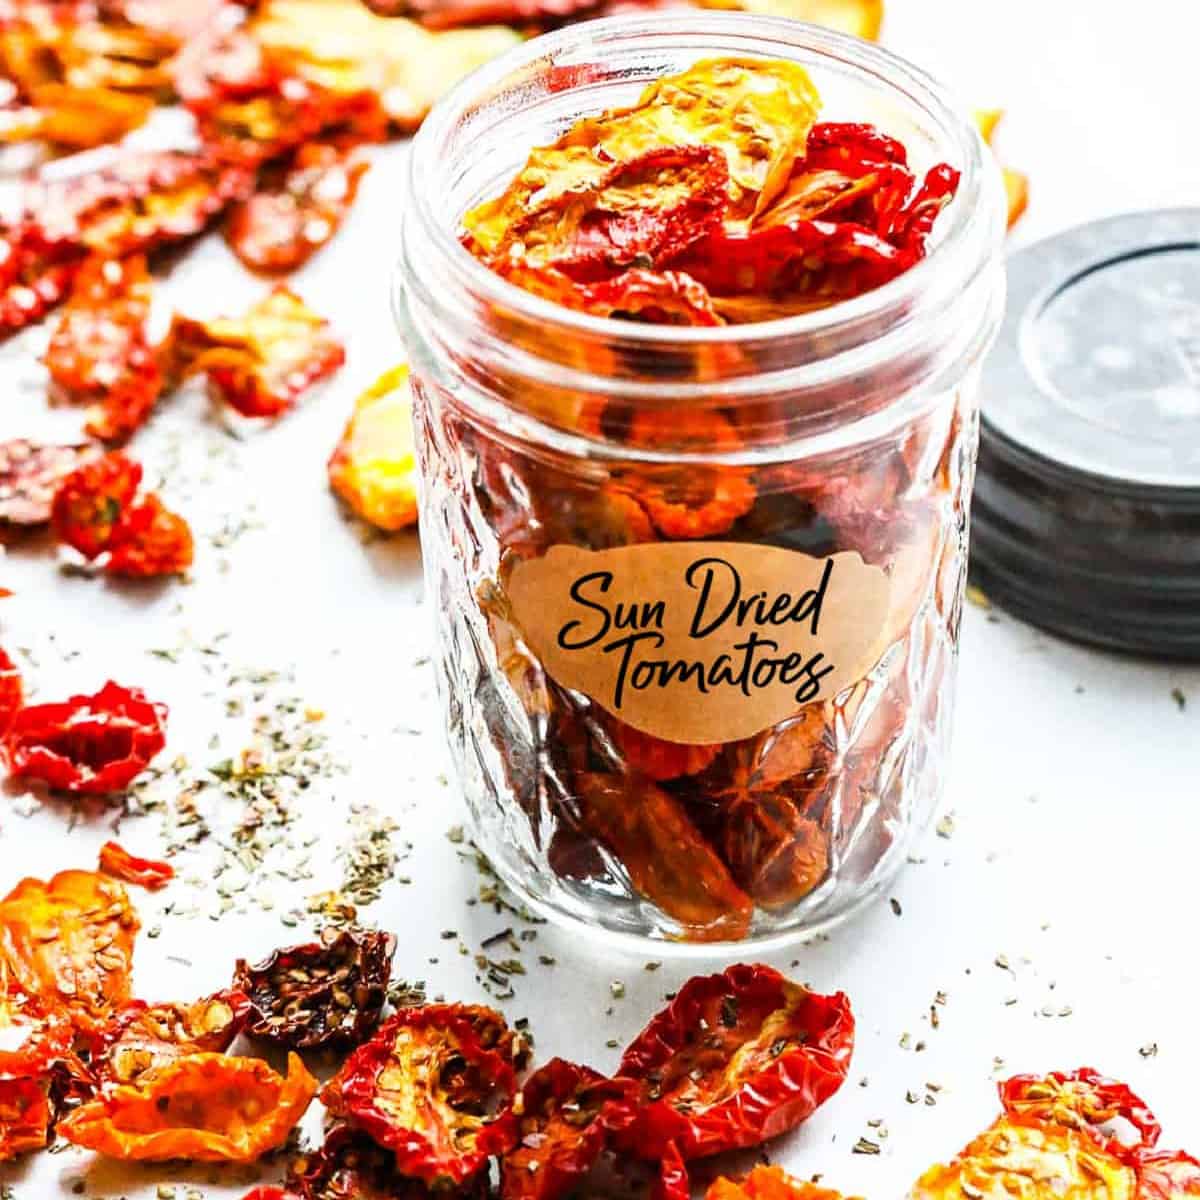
x,y
262,362
30,474
427,1088
203,1107
667,860
1083,1100
116,861
99,354
285,223
373,468
320,993
69,941
1017,1156
566,1114
88,745
768,1183
735,1059
143,1037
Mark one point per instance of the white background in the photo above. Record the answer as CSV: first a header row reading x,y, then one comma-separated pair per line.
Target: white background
x,y
1073,849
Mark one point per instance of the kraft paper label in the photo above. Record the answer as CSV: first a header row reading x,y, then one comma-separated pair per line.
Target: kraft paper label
x,y
701,642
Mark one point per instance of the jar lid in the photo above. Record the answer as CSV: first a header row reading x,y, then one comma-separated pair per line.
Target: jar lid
x,y
1086,515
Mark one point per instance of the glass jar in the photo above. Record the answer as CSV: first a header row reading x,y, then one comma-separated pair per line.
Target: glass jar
x,y
697,590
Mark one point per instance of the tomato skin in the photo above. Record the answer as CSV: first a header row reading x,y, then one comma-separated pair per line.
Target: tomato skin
x,y
1167,1175
735,1059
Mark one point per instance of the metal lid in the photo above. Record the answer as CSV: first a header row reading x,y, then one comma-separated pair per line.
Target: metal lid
x,y
1087,503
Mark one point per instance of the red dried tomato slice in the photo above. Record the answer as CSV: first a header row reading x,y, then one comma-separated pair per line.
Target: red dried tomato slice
x,y
99,354
1167,1175
284,224
320,993
116,861
673,1182
143,1037
566,1114
427,1089
12,691
664,855
89,744
912,225
661,298
30,474
735,1059
35,274
1083,1100
849,143
150,541
90,502
262,362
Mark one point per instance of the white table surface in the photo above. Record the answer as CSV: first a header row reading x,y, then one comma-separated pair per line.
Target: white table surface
x,y
1072,847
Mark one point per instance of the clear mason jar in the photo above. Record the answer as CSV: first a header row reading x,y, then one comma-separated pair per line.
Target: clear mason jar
x,y
854,429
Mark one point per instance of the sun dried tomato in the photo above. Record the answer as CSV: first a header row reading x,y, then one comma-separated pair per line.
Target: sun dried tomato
x,y
12,691
373,468
1017,1156
735,1059
768,1183
89,745
99,354
202,1107
1083,1100
116,861
36,1054
69,941
459,13
566,1115
320,993
30,474
262,362
285,223
661,298
1167,1175
142,1037
426,1088
912,225
659,759
150,541
35,274
664,855
90,501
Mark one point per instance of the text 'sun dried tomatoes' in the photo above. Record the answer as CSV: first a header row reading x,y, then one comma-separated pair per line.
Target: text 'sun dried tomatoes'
x,y
143,1037
320,993
88,745
202,1107
427,1088
30,475
148,873
735,1059
69,941
566,1114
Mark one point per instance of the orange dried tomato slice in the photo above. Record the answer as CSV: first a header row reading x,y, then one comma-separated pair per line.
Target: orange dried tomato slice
x,y
116,861
262,362
768,1183
1167,1175
1016,1156
69,941
89,503
30,474
282,226
373,468
99,353
664,855
150,541
76,118
202,1107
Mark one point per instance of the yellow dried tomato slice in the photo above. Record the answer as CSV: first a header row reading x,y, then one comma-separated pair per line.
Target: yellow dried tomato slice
x,y
373,468
203,1107
70,942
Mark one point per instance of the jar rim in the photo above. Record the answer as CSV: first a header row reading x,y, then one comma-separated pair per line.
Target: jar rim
x,y
953,233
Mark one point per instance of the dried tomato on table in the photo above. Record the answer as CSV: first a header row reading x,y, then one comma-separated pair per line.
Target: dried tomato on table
x,y
262,362
203,1107
116,861
12,691
320,993
287,221
768,1183
142,1037
69,941
76,118
150,541
566,1115
735,1059
87,745
1167,1175
373,468
36,1060
427,1088
99,353
30,475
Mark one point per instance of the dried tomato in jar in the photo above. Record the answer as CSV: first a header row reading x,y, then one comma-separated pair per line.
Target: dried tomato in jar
x,y
695,398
